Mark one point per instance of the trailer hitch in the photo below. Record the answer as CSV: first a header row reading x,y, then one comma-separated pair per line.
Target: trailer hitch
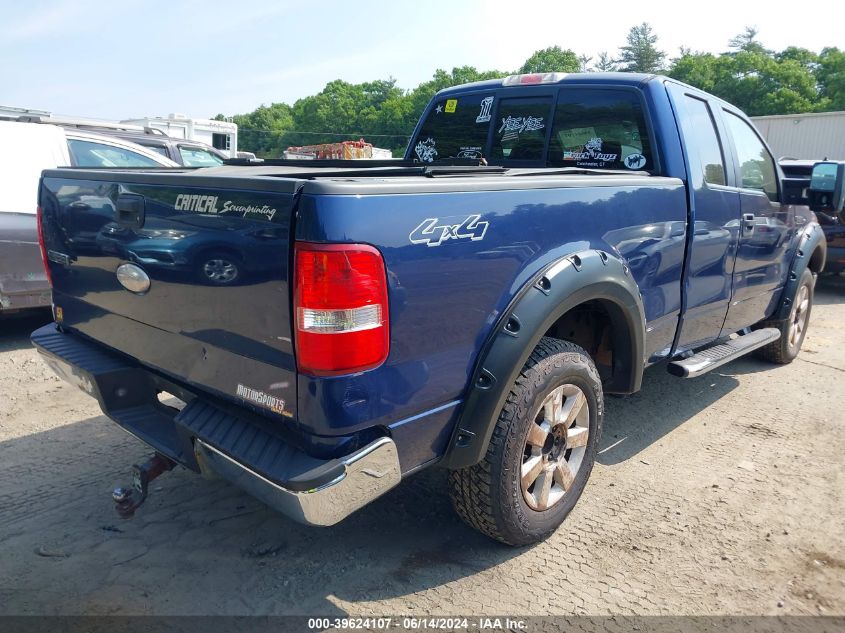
x,y
127,500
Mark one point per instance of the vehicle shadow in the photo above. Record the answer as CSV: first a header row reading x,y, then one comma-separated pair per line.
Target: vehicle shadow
x,y
204,547
16,328
665,402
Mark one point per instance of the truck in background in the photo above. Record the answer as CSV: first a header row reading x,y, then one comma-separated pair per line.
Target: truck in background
x,y
345,150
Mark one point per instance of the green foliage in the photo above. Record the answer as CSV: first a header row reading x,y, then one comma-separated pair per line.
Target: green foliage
x,y
640,54
830,74
755,79
550,60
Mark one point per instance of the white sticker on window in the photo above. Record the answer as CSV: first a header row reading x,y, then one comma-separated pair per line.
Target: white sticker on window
x,y
635,161
425,150
513,126
484,116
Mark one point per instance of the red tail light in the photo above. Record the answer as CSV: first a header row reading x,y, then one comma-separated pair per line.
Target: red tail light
x,y
40,223
340,308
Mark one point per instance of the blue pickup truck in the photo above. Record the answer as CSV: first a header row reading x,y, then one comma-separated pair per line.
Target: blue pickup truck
x,y
545,240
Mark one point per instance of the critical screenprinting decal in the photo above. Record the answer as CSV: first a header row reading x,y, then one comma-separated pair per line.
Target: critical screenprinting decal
x,y
425,150
208,204
484,116
433,231
591,155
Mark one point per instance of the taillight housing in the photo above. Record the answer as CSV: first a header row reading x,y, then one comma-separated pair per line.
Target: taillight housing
x,y
39,219
340,308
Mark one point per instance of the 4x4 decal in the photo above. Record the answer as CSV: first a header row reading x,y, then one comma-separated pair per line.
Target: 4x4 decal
x,y
433,233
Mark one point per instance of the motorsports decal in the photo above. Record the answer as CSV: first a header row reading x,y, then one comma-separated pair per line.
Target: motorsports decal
x,y
433,232
276,405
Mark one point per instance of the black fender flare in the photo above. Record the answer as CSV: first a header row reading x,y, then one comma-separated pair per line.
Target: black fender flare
x,y
556,289
812,238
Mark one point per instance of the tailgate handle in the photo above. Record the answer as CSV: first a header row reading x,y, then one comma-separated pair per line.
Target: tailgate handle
x,y
130,210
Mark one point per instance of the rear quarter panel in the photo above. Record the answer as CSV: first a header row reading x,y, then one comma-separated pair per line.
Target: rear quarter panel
x,y
446,297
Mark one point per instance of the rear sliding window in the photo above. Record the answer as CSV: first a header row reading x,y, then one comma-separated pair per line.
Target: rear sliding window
x,y
591,128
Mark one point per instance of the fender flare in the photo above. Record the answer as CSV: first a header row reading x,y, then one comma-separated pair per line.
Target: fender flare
x,y
812,238
556,289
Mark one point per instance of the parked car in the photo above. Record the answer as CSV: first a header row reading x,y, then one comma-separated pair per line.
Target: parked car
x,y
25,150
545,240
799,171
181,151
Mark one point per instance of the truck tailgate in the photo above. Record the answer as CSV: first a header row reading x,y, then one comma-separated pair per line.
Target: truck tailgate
x,y
216,313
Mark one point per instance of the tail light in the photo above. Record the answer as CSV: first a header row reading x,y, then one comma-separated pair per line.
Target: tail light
x,y
42,245
340,308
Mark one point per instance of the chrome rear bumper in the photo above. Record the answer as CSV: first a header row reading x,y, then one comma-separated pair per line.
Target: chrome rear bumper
x,y
367,474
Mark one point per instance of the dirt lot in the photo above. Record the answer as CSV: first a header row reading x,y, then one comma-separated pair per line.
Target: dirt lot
x,y
719,495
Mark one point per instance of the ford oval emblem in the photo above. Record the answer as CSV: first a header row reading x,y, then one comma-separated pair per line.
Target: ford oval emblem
x,y
133,278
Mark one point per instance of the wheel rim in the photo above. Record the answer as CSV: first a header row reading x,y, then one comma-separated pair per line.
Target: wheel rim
x,y
220,270
555,447
798,322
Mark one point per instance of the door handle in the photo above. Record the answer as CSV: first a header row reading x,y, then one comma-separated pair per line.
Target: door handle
x,y
130,210
748,221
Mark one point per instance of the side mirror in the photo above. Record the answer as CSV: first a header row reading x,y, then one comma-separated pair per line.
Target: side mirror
x,y
827,187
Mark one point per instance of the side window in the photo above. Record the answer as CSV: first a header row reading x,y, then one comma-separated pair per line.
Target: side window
x,y
158,149
456,127
520,132
700,133
198,157
599,128
92,154
756,166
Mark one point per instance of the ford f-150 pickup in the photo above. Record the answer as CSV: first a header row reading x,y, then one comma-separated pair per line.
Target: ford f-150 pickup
x,y
315,332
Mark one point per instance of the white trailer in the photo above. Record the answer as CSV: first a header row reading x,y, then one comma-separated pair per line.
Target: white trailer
x,y
811,136
222,135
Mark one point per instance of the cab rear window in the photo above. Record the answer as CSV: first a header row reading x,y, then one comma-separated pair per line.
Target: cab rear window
x,y
590,128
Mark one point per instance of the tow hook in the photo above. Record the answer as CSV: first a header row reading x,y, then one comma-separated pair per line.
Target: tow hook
x,y
127,500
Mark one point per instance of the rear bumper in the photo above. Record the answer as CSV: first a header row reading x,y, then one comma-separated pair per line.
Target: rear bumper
x,y
207,434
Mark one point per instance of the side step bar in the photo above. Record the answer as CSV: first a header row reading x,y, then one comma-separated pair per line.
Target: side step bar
x,y
717,355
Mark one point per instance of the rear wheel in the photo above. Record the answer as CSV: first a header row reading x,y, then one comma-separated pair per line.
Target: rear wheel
x,y
542,449
794,329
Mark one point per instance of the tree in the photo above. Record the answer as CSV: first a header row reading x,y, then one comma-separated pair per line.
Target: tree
x,y
550,60
584,63
606,63
641,54
830,75
747,41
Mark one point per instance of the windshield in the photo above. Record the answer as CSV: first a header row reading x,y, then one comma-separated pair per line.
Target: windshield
x,y
193,156
591,128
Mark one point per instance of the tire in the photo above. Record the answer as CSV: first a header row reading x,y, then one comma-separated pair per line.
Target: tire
x,y
490,496
794,329
218,268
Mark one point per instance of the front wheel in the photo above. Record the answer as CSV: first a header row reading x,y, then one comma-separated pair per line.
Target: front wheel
x,y
542,449
794,329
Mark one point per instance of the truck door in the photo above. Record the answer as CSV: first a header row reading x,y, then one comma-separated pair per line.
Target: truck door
x,y
764,231
714,204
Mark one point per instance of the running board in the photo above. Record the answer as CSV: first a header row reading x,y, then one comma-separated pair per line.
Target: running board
x,y
717,355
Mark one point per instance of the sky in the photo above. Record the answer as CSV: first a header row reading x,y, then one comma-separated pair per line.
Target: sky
x,y
123,59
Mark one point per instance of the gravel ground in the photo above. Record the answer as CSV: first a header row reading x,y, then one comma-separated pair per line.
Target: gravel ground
x,y
719,495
